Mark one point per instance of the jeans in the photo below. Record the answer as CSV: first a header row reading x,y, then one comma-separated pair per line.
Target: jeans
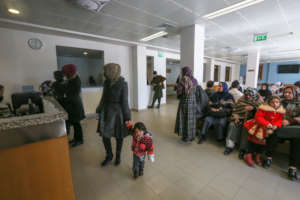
x,y
218,123
138,163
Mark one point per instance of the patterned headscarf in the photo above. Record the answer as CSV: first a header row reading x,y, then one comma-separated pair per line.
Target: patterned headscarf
x,y
251,92
112,71
187,82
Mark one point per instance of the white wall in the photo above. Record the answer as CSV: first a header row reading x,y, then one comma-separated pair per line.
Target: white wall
x,y
160,65
21,65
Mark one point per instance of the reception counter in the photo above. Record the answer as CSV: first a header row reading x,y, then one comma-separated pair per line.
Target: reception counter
x,y
34,156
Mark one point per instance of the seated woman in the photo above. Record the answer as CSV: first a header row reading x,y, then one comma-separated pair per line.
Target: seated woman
x,y
290,130
217,113
242,111
264,92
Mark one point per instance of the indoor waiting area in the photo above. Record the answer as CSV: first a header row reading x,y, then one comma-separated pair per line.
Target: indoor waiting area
x,y
149,99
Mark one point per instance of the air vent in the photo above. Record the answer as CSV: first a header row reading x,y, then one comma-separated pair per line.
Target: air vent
x,y
92,5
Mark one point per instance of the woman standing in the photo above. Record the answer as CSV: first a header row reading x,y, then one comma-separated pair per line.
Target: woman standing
x,y
73,103
114,112
187,108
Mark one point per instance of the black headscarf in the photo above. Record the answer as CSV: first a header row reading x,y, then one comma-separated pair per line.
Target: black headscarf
x,y
265,93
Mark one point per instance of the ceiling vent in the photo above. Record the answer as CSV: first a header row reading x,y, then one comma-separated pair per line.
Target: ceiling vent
x,y
92,5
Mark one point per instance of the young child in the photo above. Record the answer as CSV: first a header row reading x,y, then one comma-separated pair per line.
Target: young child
x,y
141,145
267,119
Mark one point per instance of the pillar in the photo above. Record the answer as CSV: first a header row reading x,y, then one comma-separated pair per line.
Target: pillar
x,y
252,68
192,49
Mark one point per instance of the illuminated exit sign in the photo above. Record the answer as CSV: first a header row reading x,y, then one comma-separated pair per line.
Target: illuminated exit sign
x,y
260,37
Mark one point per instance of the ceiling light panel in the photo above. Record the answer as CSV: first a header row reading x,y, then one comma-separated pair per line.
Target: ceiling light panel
x,y
154,36
232,8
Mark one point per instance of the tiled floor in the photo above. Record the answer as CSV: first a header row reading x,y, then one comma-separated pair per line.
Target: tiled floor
x,y
180,172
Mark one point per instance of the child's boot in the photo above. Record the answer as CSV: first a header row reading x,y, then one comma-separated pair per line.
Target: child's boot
x,y
258,159
248,159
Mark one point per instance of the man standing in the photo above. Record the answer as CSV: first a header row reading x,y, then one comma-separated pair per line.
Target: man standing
x,y
158,85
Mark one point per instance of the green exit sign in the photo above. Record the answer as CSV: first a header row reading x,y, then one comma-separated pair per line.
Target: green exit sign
x,y
260,37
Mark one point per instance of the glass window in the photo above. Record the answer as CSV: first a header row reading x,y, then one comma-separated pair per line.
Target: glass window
x,y
89,63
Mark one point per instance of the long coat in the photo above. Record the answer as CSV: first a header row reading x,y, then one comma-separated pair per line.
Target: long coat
x,y
114,110
73,102
190,109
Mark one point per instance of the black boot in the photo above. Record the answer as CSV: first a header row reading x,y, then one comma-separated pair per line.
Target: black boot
x,y
227,151
107,160
292,173
109,155
241,154
267,163
202,138
118,152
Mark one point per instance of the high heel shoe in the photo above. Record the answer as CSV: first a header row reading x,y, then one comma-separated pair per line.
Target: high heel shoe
x,y
292,173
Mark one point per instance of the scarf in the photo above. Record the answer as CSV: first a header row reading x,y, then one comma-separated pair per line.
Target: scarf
x,y
187,82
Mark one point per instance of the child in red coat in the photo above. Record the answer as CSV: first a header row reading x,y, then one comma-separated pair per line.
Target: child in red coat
x,y
141,145
267,119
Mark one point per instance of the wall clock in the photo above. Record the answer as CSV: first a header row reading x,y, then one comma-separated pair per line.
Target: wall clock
x,y
35,43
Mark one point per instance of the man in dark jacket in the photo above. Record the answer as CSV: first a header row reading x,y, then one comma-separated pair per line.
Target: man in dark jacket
x,y
114,112
73,103
158,86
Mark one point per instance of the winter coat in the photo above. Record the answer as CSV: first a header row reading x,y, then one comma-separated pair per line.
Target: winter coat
x,y
142,145
264,116
114,110
73,102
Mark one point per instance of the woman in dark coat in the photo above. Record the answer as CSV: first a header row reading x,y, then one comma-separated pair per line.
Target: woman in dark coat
x,y
264,92
114,112
217,113
187,108
73,103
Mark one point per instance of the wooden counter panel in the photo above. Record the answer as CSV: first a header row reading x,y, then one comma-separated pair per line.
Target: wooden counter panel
x,y
38,171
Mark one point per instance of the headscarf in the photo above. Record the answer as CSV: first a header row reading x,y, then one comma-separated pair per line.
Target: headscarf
x,y
187,82
112,72
265,93
295,94
225,95
69,70
251,92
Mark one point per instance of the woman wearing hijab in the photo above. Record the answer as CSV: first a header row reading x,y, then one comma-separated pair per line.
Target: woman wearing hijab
x,y
264,92
114,112
277,89
242,111
73,103
187,108
217,113
289,131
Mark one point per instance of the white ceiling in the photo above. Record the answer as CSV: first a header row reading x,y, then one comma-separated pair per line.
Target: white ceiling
x,y
229,36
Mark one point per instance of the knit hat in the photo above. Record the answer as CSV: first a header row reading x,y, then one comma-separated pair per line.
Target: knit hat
x,y
69,70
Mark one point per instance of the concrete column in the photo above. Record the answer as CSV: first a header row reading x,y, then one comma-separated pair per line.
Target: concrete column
x,y
139,72
222,72
192,49
210,67
252,68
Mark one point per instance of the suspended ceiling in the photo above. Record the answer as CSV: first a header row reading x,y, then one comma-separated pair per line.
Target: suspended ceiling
x,y
229,36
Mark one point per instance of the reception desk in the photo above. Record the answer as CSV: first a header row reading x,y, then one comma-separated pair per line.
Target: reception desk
x,y
34,156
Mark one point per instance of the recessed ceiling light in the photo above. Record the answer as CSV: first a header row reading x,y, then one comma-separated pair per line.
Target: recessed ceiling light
x,y
14,11
85,53
154,36
232,8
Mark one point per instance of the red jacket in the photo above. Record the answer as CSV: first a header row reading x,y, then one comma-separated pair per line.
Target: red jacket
x,y
264,116
142,145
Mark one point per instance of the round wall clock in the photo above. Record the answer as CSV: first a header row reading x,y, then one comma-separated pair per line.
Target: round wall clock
x,y
35,43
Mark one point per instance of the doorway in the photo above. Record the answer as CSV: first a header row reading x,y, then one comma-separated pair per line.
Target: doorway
x,y
173,70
